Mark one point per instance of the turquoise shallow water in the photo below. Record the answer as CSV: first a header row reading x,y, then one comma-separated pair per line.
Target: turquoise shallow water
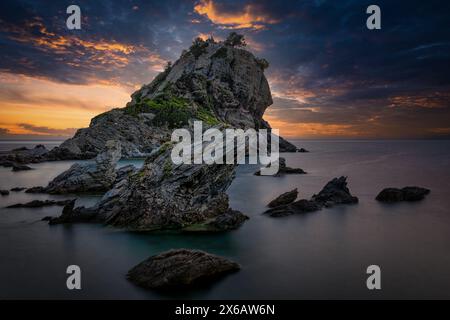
x,y
318,255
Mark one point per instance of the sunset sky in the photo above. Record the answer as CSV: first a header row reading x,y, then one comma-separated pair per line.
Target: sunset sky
x,y
330,76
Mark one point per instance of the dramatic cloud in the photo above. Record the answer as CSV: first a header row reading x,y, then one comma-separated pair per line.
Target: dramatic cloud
x,y
329,74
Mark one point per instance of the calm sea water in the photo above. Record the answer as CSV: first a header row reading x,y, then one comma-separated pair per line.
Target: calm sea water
x,y
318,255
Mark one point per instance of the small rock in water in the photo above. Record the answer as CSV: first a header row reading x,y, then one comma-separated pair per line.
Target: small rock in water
x,y
35,190
20,167
180,268
283,169
4,192
404,194
18,189
334,192
71,214
40,203
302,150
284,198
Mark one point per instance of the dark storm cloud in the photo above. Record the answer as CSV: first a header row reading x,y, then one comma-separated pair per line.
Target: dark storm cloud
x,y
325,65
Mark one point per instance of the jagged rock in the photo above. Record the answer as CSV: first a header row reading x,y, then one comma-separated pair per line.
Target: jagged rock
x,y
4,192
20,167
181,267
89,177
124,172
283,169
297,207
162,195
71,214
334,192
284,199
35,190
404,194
18,189
40,203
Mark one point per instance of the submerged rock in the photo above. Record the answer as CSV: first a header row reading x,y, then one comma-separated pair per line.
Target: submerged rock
x,y
20,167
38,189
283,169
89,177
41,203
334,192
404,194
71,214
18,189
4,192
180,268
284,199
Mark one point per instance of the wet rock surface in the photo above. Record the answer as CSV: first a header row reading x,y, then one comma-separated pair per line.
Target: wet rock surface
x,y
180,268
283,199
404,194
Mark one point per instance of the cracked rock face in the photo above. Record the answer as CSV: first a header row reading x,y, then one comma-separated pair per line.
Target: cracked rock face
x,y
91,177
180,268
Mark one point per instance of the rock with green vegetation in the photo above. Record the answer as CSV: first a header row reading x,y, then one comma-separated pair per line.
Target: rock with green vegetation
x,y
216,82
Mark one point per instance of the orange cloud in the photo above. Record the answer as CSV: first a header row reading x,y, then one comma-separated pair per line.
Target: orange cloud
x,y
312,130
47,106
432,100
248,18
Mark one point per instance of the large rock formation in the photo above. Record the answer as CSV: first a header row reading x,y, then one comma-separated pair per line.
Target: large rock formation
x,y
162,195
180,268
212,81
89,177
